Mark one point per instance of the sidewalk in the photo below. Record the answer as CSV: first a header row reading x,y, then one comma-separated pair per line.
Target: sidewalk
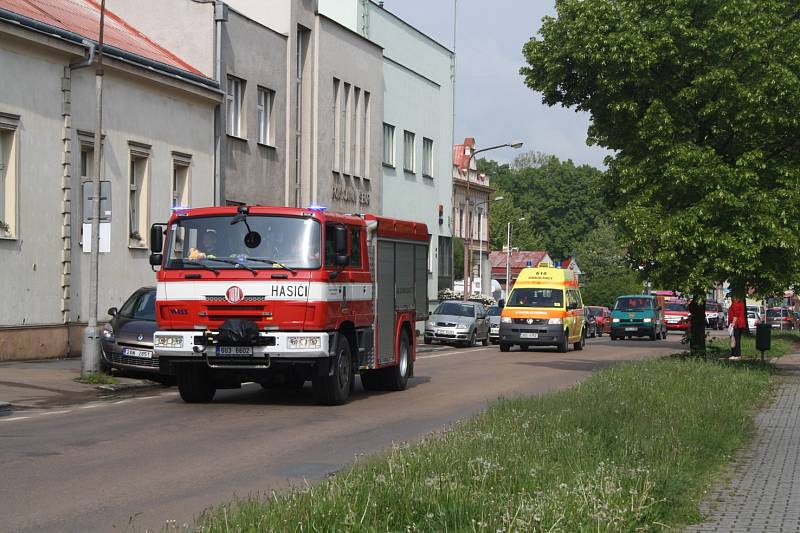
x,y
49,383
764,489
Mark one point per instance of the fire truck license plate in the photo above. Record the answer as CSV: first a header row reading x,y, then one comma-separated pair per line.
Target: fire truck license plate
x,y
234,350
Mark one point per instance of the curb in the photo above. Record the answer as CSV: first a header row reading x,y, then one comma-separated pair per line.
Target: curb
x,y
120,387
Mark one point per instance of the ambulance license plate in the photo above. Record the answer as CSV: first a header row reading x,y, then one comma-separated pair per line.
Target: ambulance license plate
x,y
234,350
528,335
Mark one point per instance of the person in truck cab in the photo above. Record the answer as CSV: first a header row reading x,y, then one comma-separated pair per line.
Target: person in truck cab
x,y
207,246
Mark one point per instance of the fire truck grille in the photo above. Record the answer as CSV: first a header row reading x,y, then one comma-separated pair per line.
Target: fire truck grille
x,y
253,298
221,313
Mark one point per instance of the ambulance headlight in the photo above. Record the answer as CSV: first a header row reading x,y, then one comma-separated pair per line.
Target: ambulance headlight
x,y
169,341
304,343
555,321
506,320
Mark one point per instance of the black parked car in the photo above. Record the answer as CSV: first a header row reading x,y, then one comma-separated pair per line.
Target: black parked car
x,y
128,339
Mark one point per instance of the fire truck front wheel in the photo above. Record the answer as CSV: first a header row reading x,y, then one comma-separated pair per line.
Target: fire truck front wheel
x,y
333,387
195,385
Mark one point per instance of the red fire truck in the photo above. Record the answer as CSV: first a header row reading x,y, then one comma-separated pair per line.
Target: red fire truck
x,y
281,296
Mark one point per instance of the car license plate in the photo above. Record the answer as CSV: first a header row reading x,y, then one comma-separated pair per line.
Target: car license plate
x,y
630,329
442,331
142,354
528,335
234,350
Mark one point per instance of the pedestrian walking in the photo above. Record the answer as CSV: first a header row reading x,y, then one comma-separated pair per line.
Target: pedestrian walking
x,y
737,322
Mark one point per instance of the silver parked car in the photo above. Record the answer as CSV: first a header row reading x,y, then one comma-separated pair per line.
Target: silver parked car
x,y
494,324
457,322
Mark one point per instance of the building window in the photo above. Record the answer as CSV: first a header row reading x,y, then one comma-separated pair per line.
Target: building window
x,y
427,157
266,98
388,144
365,147
180,183
8,183
233,106
409,156
337,125
356,145
347,138
138,176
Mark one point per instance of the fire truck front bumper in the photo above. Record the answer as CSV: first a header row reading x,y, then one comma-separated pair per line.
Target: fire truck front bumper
x,y
270,346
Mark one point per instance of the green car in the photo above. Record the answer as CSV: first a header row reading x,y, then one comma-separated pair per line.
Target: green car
x,y
638,315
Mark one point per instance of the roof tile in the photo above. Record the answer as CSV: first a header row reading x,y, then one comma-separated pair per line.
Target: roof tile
x,y
83,17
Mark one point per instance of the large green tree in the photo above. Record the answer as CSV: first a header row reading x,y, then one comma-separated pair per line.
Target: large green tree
x,y
700,100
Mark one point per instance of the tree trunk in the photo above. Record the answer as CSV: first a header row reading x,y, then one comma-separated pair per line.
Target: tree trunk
x,y
697,331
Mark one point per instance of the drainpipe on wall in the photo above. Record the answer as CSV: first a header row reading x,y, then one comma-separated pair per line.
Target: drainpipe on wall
x,y
66,183
220,16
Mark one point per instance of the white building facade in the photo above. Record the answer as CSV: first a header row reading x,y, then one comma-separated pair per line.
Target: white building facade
x,y
157,151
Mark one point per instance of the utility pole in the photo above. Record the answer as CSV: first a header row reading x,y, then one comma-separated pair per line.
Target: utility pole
x,y
90,355
468,240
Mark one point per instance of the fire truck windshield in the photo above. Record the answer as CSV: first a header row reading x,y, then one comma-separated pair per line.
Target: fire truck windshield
x,y
219,242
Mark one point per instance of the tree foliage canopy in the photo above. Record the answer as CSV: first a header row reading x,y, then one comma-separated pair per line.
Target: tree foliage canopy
x,y
559,200
700,99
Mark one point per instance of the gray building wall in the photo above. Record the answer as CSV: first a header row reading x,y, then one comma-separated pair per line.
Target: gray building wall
x,y
354,60
253,172
45,257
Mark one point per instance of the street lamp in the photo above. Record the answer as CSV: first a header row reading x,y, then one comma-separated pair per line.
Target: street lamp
x,y
508,257
468,241
480,237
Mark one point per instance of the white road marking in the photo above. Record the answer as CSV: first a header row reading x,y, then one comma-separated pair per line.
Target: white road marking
x,y
47,413
90,406
448,354
13,418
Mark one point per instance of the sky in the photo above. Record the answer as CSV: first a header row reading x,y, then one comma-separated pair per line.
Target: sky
x,y
492,102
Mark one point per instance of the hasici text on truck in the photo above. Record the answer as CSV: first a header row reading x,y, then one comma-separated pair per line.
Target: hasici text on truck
x,y
281,296
544,308
638,315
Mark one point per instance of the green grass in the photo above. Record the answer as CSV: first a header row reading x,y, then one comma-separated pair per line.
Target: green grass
x,y
97,378
629,449
783,342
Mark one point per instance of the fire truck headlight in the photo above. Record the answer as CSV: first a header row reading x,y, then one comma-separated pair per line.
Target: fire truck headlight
x,y
169,341
304,343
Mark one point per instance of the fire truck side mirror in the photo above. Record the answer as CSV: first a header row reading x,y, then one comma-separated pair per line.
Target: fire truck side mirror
x,y
156,239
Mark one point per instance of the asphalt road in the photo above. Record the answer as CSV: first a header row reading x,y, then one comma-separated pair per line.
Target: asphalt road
x,y
133,464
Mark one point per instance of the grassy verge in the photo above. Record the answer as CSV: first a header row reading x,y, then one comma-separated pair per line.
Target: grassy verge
x,y
97,378
629,449
783,342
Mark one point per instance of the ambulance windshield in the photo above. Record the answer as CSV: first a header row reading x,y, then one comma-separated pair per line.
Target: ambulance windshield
x,y
538,297
259,242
